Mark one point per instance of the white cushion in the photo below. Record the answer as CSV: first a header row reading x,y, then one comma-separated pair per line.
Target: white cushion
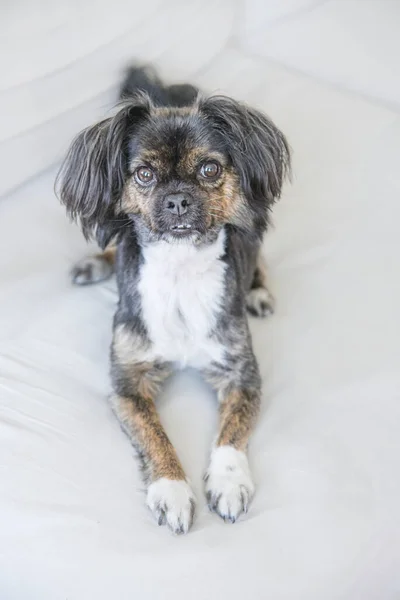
x,y
351,44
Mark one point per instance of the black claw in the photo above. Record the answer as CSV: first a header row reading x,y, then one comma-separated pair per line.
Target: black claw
x,y
244,495
243,498
212,501
192,509
215,502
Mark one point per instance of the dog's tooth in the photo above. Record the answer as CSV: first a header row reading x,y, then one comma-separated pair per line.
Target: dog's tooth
x,y
182,226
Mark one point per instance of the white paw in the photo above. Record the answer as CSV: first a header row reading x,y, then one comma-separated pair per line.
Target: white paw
x,y
173,503
259,302
91,269
229,487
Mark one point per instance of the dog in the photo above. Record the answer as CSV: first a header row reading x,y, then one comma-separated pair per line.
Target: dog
x,y
177,189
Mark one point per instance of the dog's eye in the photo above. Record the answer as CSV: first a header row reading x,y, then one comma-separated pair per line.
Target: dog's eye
x,y
210,170
144,175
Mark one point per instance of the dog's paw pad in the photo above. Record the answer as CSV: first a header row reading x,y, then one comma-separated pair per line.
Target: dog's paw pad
x,y
228,484
259,302
91,270
172,503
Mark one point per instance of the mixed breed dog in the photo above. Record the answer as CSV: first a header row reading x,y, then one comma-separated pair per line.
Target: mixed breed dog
x,y
176,188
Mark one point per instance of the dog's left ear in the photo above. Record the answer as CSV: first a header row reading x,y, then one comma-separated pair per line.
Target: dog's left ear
x,y
258,149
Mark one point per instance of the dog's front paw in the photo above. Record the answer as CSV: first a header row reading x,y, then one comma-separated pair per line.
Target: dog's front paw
x,y
228,483
259,302
172,503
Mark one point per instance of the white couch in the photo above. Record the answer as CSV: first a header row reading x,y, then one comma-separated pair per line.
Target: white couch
x,y
326,453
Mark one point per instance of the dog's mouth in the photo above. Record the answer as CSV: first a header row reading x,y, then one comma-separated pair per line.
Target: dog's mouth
x,y
183,229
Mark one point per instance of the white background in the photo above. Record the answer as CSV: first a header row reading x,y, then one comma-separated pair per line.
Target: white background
x,y
326,453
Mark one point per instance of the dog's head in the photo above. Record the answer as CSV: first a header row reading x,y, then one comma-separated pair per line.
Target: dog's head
x,y
178,173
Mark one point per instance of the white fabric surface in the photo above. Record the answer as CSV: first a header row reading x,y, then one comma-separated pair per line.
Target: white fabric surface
x,y
326,453
352,44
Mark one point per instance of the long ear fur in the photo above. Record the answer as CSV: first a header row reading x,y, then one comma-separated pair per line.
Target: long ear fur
x,y
259,151
92,176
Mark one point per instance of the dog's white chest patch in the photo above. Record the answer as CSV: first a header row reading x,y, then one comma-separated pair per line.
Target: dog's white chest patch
x,y
182,289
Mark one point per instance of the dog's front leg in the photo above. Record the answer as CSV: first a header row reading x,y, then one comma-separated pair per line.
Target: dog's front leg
x,y
136,384
228,483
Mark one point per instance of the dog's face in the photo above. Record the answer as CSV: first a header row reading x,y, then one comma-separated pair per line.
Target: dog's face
x,y
178,173
181,182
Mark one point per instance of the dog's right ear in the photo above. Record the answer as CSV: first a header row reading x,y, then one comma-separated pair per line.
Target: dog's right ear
x,y
92,176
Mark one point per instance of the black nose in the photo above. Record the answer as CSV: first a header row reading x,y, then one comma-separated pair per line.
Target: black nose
x,y
177,204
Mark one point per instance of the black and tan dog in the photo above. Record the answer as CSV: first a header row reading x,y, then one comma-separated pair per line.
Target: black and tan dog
x,y
182,186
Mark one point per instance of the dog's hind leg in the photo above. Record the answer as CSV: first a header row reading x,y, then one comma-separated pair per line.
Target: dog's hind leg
x,y
96,268
259,301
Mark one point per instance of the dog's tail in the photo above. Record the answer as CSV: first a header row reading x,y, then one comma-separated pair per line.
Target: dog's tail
x,y
146,79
